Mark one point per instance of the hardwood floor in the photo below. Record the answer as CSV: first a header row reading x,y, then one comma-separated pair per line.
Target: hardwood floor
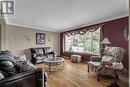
x,y
76,75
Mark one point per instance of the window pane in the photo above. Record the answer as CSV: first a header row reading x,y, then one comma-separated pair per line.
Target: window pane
x,y
96,42
68,43
87,47
81,43
87,43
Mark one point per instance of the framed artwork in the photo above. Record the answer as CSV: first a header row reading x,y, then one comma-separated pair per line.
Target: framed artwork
x,y
40,38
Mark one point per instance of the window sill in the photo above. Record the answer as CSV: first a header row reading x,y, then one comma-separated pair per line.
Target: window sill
x,y
80,53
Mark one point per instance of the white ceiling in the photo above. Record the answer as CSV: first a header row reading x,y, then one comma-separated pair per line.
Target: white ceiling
x,y
63,15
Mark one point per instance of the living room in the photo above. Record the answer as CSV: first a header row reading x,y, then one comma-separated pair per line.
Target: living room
x,y
64,39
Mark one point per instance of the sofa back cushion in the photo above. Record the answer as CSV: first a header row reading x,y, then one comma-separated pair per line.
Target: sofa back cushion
x,y
6,55
47,50
8,68
37,50
8,64
114,51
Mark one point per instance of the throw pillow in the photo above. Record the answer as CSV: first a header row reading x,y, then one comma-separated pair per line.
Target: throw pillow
x,y
24,64
21,58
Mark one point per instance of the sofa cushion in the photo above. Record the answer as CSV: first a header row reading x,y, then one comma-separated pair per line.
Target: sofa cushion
x,y
39,50
93,65
8,64
47,50
96,64
107,59
8,56
39,61
50,55
8,68
41,57
1,76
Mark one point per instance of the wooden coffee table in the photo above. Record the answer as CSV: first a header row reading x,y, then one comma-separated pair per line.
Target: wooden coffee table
x,y
54,64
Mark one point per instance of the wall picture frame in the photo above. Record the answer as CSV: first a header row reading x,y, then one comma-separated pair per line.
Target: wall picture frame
x,y
40,38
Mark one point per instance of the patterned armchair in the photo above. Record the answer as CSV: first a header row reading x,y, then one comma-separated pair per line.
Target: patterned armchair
x,y
110,55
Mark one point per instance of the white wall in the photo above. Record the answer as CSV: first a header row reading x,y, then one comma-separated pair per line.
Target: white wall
x,y
2,34
18,39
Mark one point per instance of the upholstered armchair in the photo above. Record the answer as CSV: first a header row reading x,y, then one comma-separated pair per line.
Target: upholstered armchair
x,y
110,55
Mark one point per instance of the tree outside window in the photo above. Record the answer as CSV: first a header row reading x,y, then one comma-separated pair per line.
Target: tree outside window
x,y
86,43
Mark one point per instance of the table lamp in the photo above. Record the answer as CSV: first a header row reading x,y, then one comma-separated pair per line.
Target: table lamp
x,y
106,42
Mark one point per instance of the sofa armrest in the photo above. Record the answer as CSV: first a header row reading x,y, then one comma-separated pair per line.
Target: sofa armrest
x,y
34,54
20,78
95,59
33,60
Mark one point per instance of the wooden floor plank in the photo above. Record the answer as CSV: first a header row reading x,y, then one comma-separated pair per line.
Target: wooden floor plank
x,y
76,75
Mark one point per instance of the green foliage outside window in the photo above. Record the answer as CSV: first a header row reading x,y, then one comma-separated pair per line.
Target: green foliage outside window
x,y
86,43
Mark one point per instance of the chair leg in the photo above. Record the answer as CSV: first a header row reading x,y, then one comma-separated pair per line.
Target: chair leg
x,y
117,77
98,77
88,68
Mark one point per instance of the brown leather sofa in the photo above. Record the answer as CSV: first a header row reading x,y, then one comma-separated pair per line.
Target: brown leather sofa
x,y
39,54
33,78
16,72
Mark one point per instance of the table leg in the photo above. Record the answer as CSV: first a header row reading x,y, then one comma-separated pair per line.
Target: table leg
x,y
88,67
50,67
63,66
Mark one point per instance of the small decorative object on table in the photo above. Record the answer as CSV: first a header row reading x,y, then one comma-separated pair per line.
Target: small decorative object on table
x,y
116,67
76,58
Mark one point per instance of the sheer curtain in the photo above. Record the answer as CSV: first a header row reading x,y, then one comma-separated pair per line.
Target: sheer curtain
x,y
85,30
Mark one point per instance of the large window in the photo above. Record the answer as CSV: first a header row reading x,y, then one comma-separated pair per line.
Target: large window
x,y
86,43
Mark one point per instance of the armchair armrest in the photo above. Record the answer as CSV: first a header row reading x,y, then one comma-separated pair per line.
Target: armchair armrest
x,y
102,66
95,59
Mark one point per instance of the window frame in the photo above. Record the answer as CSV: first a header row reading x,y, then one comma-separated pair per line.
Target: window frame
x,y
91,53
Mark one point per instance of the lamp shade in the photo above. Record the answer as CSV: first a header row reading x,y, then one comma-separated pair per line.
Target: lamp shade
x,y
105,41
